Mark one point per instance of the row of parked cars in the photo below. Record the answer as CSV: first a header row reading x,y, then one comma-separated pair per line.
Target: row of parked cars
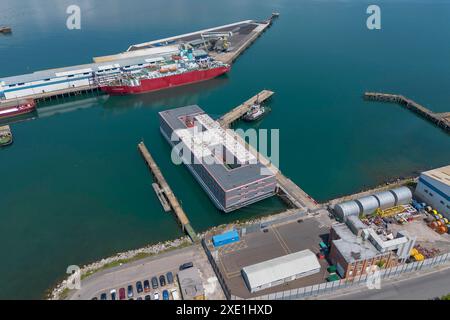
x,y
146,286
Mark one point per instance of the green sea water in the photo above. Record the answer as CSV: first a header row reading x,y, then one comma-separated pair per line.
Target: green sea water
x,y
74,187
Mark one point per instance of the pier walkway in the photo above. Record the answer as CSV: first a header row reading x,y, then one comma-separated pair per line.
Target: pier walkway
x,y
442,120
286,187
55,95
227,119
166,191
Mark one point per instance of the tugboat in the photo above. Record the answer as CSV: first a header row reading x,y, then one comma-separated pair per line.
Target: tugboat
x,y
256,112
5,136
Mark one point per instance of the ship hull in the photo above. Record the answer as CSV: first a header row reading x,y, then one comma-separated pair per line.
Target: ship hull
x,y
16,111
149,85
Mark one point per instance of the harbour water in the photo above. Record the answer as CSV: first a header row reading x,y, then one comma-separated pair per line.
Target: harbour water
x,y
74,188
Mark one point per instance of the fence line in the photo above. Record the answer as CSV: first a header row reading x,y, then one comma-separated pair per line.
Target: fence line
x,y
327,287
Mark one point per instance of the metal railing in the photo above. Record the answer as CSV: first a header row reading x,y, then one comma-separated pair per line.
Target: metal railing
x,y
328,287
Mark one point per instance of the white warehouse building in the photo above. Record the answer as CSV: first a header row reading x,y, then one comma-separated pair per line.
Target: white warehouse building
x,y
80,76
434,189
280,270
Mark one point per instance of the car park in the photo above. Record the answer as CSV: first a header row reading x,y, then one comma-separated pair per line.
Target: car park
x,y
103,296
130,291
139,288
113,294
162,280
165,295
169,277
155,283
175,295
146,286
122,293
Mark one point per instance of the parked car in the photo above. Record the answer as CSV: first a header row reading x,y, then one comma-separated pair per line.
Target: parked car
x,y
103,296
94,298
186,265
139,287
130,291
156,296
175,295
169,277
162,280
122,293
155,283
146,286
113,294
147,297
165,295
139,298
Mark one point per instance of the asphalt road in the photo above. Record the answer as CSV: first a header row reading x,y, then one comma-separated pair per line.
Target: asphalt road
x,y
425,287
120,277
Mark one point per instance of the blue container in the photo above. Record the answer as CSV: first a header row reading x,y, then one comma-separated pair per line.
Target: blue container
x,y
225,238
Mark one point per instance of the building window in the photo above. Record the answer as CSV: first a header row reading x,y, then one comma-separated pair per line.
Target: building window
x,y
442,202
431,194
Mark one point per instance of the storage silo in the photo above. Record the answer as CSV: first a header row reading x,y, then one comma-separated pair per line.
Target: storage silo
x,y
367,205
346,209
403,195
385,199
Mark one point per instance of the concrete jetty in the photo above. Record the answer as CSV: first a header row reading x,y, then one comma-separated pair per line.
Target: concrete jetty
x,y
166,191
286,187
238,112
442,120
238,48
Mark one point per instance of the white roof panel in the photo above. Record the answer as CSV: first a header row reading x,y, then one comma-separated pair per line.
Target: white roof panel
x,y
280,268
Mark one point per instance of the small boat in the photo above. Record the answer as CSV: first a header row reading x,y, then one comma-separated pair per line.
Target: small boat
x,y
5,136
5,30
17,109
256,112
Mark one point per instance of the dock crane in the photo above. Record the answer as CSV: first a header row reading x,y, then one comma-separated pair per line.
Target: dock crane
x,y
219,39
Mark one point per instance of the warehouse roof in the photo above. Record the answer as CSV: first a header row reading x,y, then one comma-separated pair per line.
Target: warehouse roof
x,y
191,283
441,174
280,268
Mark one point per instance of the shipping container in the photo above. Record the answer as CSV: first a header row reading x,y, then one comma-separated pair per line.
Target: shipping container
x,y
225,238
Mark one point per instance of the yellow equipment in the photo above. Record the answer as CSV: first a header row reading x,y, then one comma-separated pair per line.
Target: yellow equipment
x,y
390,211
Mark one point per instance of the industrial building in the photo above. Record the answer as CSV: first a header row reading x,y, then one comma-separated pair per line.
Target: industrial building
x,y
231,175
369,204
355,247
433,188
191,285
280,270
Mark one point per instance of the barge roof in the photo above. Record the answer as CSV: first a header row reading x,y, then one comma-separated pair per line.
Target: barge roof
x,y
227,178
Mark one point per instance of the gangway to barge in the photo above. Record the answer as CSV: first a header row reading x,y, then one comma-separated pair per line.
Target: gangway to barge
x,y
286,187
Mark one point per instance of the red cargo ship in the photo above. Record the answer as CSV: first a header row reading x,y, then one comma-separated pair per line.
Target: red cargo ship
x,y
166,76
16,110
